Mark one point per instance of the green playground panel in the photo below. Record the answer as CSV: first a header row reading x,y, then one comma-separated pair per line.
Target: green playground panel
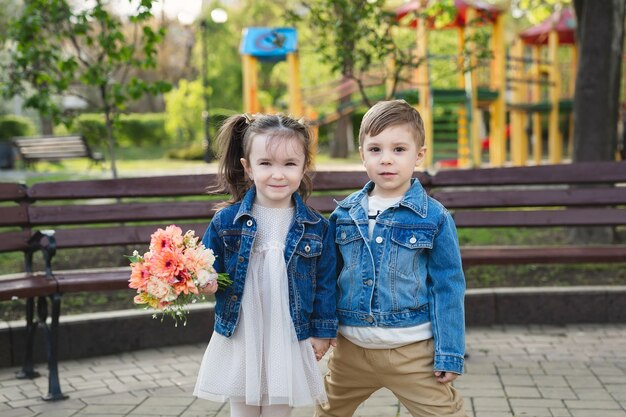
x,y
565,105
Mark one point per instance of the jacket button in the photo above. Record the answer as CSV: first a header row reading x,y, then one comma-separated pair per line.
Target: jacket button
x,y
240,259
343,235
369,319
307,249
412,240
379,239
233,298
249,223
369,282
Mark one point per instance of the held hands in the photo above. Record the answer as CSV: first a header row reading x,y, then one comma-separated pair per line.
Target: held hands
x,y
321,346
208,289
445,377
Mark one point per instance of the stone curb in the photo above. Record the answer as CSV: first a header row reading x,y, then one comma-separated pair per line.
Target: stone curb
x,y
106,333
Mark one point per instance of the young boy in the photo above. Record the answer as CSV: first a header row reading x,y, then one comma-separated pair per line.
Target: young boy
x,y
401,284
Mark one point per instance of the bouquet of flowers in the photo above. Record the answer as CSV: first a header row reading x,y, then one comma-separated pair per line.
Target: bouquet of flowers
x,y
175,272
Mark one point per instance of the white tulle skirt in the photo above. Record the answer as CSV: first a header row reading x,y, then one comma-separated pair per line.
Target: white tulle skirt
x,y
262,363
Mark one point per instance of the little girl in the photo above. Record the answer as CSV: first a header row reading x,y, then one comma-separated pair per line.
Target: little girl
x,y
278,315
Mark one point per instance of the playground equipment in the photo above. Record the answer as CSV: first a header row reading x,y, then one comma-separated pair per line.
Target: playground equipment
x,y
540,84
270,45
467,97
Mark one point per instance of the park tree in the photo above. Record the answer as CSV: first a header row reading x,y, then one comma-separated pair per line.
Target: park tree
x,y
600,34
57,48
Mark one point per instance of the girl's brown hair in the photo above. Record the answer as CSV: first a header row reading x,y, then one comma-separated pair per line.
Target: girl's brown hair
x,y
234,139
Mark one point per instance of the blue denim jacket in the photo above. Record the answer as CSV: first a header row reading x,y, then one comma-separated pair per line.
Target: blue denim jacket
x,y
408,274
311,267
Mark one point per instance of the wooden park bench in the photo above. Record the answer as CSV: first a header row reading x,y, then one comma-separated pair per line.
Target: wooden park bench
x,y
51,217
54,148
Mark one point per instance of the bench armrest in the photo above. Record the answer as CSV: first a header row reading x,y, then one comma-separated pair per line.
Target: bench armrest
x,y
44,241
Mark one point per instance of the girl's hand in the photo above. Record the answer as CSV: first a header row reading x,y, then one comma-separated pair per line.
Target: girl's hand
x,y
320,347
445,377
208,289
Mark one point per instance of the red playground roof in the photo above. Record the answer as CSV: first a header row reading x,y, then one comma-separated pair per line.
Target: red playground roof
x,y
564,22
485,11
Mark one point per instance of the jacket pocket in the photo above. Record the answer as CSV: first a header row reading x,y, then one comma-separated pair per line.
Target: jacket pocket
x,y
413,238
406,280
350,243
307,253
232,243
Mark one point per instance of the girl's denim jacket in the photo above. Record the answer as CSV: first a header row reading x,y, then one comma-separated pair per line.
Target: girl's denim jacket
x,y
311,267
409,273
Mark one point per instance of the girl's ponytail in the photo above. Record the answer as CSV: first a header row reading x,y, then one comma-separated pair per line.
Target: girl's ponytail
x,y
231,174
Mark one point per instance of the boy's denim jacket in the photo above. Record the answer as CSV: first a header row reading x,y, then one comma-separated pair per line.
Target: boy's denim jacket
x,y
311,267
409,273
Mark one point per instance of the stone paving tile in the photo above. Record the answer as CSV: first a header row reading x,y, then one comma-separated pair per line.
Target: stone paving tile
x,y
594,413
530,370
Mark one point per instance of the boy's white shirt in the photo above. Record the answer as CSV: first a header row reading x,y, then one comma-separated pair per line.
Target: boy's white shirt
x,y
384,337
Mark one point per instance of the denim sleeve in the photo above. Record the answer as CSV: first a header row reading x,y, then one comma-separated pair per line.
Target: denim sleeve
x,y
446,298
332,230
211,240
324,317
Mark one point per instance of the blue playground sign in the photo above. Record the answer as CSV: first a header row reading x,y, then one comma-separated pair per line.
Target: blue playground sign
x,y
269,44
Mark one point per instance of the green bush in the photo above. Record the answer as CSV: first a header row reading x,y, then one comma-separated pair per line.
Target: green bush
x,y
143,129
92,128
11,126
193,152
132,130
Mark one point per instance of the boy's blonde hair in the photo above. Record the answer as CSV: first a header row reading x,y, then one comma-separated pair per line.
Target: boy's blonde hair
x,y
385,114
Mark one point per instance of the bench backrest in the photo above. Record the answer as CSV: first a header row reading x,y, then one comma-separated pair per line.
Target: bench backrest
x,y
51,147
581,194
93,213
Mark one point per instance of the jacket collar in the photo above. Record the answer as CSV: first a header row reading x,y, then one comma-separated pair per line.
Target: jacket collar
x,y
415,198
304,214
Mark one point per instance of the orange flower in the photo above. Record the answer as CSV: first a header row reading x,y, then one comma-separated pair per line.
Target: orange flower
x,y
170,238
139,275
167,264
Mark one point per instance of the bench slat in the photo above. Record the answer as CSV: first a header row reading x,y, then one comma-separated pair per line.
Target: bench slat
x,y
532,198
579,173
26,286
14,241
176,185
119,235
13,216
105,279
104,213
525,255
12,191
540,218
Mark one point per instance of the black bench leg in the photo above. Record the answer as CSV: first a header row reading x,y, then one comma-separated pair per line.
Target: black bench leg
x,y
28,370
52,338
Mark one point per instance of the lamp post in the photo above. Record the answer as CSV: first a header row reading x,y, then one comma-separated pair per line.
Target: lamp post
x,y
218,16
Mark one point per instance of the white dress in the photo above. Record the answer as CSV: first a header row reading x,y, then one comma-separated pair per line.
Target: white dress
x,y
263,363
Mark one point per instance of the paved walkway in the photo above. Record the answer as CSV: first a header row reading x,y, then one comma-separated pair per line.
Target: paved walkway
x,y
511,371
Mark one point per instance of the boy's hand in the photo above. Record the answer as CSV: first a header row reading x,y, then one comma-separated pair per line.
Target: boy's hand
x,y
445,377
320,347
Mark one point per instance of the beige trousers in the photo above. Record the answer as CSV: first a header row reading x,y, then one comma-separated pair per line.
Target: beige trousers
x,y
355,373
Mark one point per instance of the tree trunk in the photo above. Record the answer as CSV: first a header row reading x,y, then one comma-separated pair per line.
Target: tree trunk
x,y
110,141
343,134
45,122
600,41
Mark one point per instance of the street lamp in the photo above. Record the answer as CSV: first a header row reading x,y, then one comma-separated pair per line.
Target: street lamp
x,y
218,16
